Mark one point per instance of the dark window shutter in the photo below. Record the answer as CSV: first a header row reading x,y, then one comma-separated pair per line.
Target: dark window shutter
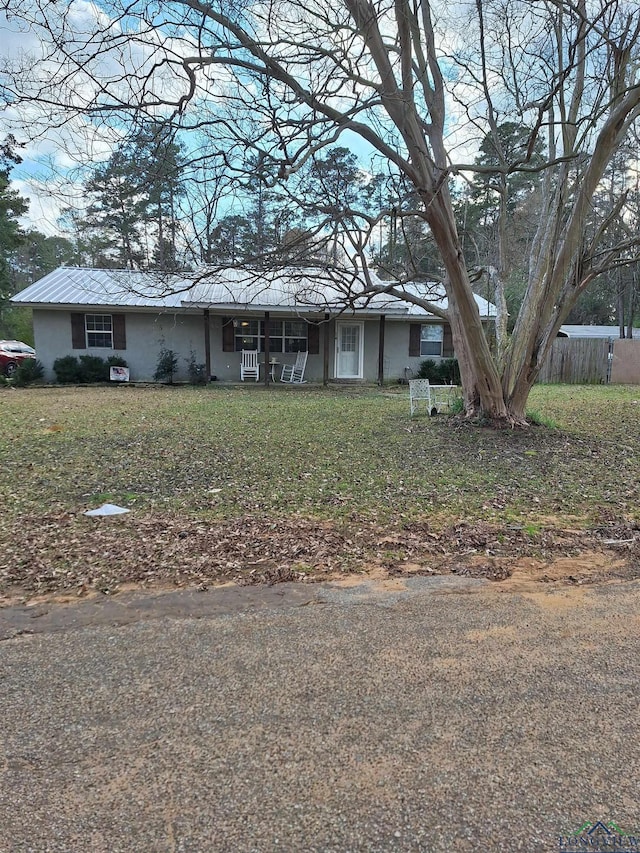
x,y
228,335
119,333
447,342
78,339
313,338
414,339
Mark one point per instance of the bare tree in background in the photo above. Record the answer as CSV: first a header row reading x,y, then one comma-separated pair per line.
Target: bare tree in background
x,y
285,79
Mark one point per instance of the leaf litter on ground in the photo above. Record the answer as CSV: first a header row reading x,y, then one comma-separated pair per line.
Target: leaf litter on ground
x,y
330,484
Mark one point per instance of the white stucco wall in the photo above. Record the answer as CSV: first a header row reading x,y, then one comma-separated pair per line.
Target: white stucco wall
x,y
145,335
147,332
396,352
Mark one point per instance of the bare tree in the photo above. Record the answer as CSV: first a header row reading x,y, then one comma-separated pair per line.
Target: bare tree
x,y
288,78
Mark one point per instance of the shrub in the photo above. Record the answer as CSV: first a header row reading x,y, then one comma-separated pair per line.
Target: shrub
x,y
166,367
90,368
197,372
449,371
29,370
93,369
429,370
116,361
445,372
67,369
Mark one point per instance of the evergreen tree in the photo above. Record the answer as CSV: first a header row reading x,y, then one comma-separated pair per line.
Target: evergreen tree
x,y
116,208
334,196
499,213
13,323
12,207
260,234
37,255
226,243
132,218
614,296
93,246
156,161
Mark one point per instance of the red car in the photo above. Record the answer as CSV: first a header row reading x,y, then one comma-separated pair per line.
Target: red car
x,y
12,353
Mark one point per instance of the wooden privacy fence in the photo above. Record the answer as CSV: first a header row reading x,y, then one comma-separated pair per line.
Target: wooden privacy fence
x,y
583,361
625,362
593,361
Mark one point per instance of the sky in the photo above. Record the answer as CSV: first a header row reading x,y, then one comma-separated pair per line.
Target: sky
x,y
43,211
46,176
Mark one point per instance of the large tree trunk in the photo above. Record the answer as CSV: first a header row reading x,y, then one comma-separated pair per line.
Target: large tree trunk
x,y
483,396
560,272
502,315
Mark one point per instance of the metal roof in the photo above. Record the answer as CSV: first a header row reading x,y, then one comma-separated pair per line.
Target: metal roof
x,y
116,288
291,289
435,293
311,289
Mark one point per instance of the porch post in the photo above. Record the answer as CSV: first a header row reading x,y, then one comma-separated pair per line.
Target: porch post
x,y
325,351
267,348
381,351
207,346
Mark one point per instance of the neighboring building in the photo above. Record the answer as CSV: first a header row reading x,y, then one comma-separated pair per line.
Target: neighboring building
x,y
584,331
215,316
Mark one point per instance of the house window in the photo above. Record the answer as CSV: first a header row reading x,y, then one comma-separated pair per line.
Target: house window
x,y
99,329
248,335
295,336
284,335
431,337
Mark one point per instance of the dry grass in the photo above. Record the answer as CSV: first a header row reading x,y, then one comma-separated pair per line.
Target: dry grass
x,y
253,484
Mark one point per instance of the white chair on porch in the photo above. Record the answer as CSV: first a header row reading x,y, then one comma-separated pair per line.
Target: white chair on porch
x,y
249,365
295,372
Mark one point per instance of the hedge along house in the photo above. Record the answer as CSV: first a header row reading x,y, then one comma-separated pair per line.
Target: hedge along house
x,y
211,318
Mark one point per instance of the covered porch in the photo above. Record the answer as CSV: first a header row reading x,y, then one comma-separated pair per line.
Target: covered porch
x,y
340,348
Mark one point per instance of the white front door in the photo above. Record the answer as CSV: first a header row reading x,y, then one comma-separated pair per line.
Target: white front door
x,y
349,350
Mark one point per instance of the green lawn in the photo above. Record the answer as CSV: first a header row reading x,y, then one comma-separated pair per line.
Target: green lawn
x,y
286,460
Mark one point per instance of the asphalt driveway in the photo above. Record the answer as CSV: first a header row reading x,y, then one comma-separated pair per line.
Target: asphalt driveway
x,y
428,715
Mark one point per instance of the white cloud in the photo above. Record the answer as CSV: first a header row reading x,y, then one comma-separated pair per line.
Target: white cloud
x,y
44,210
